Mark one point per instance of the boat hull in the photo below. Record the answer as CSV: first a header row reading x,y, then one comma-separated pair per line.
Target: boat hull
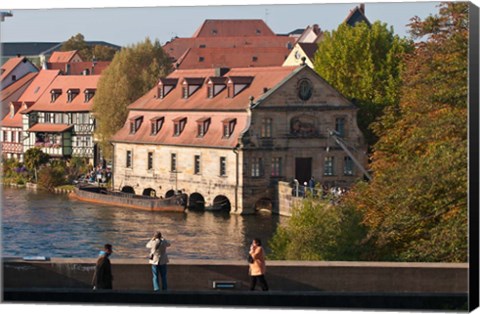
x,y
101,196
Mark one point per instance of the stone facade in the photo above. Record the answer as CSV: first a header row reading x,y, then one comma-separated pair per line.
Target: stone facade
x,y
285,138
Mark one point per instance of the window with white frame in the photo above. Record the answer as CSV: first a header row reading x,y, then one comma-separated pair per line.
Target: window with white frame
x,y
266,130
328,168
256,167
196,164
276,167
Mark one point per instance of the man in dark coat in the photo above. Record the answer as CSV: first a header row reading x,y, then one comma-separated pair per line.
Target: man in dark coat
x,y
102,278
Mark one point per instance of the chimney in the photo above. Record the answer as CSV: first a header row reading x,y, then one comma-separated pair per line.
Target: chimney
x,y
362,8
316,29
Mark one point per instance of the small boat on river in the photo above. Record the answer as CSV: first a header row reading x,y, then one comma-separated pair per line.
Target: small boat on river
x,y
101,195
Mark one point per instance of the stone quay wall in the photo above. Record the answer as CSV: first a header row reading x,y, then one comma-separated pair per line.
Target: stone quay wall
x,y
200,275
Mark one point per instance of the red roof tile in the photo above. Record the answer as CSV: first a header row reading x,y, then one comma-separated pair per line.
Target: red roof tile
x,y
200,58
64,83
224,28
199,107
50,127
13,91
263,77
38,86
78,68
62,56
189,137
9,66
177,47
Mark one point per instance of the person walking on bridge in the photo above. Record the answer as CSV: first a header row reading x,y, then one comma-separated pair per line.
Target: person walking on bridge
x,y
257,269
102,277
158,259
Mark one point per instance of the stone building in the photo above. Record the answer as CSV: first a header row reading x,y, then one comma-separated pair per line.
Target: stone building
x,y
226,137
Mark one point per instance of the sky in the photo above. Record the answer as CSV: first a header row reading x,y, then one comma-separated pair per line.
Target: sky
x,y
127,25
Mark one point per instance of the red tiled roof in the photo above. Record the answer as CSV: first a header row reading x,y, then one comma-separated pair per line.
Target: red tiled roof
x,y
78,68
13,89
263,77
41,82
9,66
17,120
177,47
201,58
199,107
64,83
224,28
62,56
189,137
50,127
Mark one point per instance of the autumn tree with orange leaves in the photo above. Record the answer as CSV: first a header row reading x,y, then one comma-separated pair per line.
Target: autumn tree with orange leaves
x,y
415,207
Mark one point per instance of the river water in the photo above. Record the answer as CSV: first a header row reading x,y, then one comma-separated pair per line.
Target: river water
x,y
37,223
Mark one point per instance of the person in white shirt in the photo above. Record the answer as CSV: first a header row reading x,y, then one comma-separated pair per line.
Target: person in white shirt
x,y
158,259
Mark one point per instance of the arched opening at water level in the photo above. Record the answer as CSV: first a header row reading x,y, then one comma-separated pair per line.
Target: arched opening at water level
x,y
128,189
220,203
196,202
149,192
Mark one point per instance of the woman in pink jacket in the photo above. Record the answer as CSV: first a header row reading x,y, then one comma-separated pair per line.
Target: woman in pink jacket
x,y
257,268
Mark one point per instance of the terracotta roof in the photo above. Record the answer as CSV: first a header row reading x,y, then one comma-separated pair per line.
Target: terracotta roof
x,y
177,47
62,56
223,28
189,137
41,82
10,65
50,127
78,68
263,78
64,83
17,120
199,107
200,58
34,90
12,90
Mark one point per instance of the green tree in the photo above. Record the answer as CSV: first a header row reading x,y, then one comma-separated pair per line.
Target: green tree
x,y
319,230
132,73
363,63
34,158
416,205
88,52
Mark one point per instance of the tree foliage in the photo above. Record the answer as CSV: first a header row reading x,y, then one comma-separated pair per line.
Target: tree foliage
x,y
318,230
416,205
34,158
363,63
88,52
133,72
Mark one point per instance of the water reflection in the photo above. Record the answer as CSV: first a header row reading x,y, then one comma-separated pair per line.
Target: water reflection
x,y
39,223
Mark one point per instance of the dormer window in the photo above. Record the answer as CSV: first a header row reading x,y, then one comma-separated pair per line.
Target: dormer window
x,y
190,86
156,125
55,93
215,85
202,126
236,84
89,93
165,86
179,125
72,93
228,127
135,124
